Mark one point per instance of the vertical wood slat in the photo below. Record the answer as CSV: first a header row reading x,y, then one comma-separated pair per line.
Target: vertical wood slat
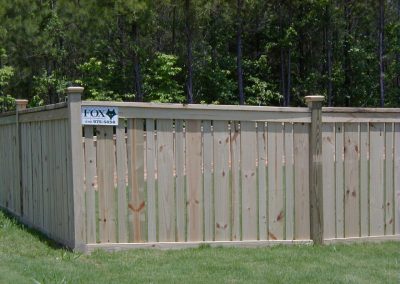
x,y
194,180
351,174
397,178
301,181
262,181
339,183
137,203
275,181
90,170
389,202
151,184
208,147
45,164
166,194
180,181
221,181
57,182
289,181
248,154
377,147
236,182
105,179
64,189
121,183
328,167
364,179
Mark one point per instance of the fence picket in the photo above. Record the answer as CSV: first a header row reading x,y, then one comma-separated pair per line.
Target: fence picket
x,y
377,143
151,183
248,154
351,174
262,181
194,180
364,179
165,174
301,181
221,181
208,180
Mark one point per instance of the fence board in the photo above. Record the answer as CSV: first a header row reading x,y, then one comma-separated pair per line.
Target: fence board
x,y
180,181
377,147
105,179
208,181
389,202
275,181
121,176
166,194
137,203
289,181
301,181
64,188
248,154
45,165
339,172
364,179
351,178
194,180
397,177
328,172
235,180
221,181
151,184
262,181
90,170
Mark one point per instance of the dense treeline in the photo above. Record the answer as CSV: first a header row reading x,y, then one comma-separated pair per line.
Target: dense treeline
x,y
202,51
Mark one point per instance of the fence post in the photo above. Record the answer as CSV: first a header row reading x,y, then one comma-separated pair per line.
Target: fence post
x,y
315,170
20,105
77,208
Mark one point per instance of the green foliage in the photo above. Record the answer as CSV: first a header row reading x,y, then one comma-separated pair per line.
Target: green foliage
x,y
160,80
46,86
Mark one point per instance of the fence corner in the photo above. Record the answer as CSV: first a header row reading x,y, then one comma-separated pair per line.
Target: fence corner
x,y
76,166
315,170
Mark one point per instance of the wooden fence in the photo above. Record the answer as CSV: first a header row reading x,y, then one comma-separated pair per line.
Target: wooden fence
x,y
179,176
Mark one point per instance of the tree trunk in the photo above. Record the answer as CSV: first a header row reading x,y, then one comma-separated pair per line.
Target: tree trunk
x,y
381,51
289,78
346,51
173,44
189,82
398,53
239,51
283,83
329,54
136,63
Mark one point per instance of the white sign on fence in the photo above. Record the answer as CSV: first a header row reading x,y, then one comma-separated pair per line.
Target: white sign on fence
x,y
92,115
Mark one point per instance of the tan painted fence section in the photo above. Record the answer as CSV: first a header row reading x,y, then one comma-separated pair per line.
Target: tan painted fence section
x,y
361,174
176,176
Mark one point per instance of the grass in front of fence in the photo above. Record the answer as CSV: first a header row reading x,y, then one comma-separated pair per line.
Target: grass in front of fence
x,y
27,257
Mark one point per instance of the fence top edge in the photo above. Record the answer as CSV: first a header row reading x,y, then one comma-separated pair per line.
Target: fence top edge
x,y
359,110
196,106
44,108
7,113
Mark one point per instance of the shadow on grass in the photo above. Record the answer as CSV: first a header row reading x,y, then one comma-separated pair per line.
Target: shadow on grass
x,y
40,236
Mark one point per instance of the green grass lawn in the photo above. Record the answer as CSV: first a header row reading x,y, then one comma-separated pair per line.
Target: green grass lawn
x,y
27,257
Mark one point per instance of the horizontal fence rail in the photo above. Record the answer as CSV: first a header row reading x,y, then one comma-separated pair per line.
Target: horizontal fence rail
x,y
180,175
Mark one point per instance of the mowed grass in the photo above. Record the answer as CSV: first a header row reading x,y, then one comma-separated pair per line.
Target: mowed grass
x,y
27,257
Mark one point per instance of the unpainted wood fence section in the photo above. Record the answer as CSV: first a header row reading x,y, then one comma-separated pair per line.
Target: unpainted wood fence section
x,y
35,170
178,176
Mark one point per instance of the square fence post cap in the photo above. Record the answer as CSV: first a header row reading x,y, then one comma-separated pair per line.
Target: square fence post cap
x,y
310,99
74,90
21,102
